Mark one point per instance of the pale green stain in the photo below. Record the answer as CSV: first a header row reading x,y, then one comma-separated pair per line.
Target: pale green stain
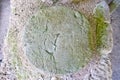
x,y
56,40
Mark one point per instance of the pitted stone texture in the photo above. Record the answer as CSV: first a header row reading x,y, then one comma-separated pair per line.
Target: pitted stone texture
x,y
56,40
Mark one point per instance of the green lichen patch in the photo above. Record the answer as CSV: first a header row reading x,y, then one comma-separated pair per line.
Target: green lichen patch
x,y
101,27
56,40
98,29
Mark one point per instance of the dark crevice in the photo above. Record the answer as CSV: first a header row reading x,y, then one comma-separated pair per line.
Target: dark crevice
x,y
57,35
52,58
0,60
50,53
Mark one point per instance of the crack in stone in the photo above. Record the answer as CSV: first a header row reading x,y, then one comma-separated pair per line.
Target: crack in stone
x,y
52,58
57,35
50,53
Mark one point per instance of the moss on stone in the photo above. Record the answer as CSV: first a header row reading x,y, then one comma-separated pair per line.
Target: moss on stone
x,y
101,26
98,29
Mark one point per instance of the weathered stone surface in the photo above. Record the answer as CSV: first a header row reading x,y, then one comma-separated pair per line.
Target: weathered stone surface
x,y
17,60
56,40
